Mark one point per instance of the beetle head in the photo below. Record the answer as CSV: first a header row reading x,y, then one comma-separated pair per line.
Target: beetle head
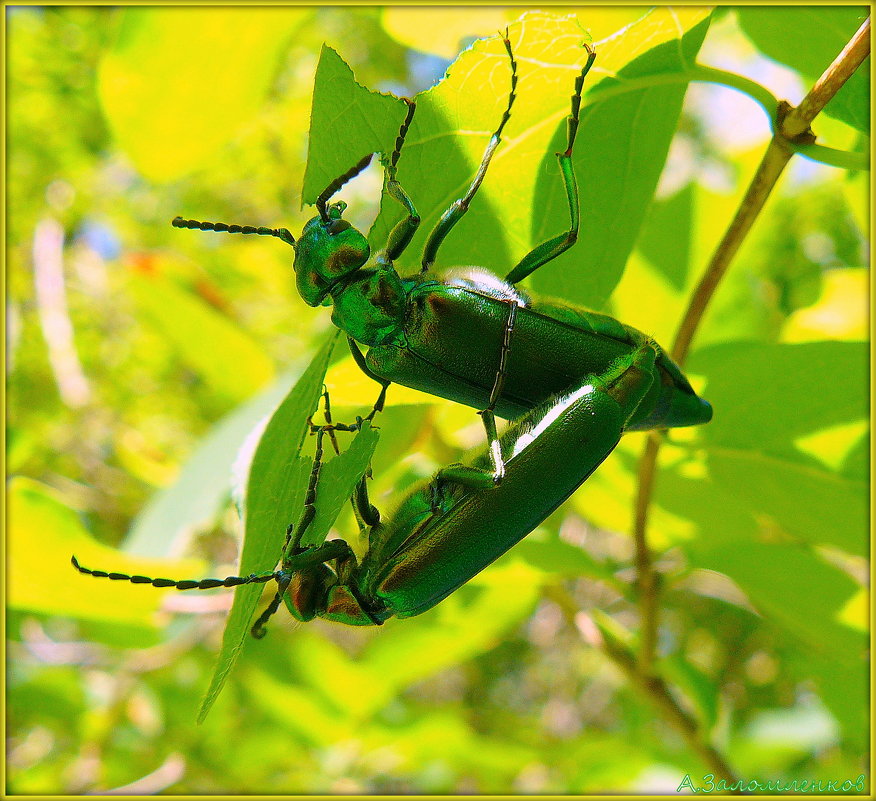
x,y
328,250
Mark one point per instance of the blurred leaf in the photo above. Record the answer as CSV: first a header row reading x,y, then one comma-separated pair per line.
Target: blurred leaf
x,y
345,112
826,30
180,83
798,494
44,533
353,688
199,492
275,495
843,686
765,398
234,366
795,589
468,622
552,555
697,685
841,312
666,235
314,722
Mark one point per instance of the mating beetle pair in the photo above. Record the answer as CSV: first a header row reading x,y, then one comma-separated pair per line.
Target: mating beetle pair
x,y
571,381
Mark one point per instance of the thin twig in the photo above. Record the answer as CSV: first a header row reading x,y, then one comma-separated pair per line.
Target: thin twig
x,y
792,127
652,688
844,65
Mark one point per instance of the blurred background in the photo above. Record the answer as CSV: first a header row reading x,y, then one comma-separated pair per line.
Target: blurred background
x,y
139,356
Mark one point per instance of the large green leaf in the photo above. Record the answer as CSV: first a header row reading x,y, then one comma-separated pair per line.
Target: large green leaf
x,y
769,399
275,488
180,83
621,146
44,533
809,38
468,622
201,488
796,590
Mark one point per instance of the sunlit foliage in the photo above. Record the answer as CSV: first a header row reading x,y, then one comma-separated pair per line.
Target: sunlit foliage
x,y
142,358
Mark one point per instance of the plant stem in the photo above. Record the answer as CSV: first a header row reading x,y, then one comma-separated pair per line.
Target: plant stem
x,y
655,690
791,130
843,67
700,73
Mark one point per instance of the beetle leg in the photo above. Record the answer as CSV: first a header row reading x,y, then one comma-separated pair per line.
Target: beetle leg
x,y
549,250
359,358
475,476
366,513
403,231
459,207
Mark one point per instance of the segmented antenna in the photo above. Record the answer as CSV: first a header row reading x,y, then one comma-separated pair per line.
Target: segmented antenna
x,y
196,225
335,185
188,584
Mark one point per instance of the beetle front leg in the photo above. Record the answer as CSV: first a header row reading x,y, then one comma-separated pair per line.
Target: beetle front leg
x,y
547,251
359,358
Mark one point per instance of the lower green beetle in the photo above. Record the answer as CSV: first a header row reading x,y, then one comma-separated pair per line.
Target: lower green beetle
x,y
453,526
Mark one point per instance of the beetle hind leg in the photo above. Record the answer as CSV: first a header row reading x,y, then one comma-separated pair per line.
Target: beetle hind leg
x,y
547,251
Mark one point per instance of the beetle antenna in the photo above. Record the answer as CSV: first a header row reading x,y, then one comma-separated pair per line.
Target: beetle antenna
x,y
335,185
196,225
202,584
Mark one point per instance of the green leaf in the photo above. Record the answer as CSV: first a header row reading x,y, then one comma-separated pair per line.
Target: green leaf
x,y
666,236
797,590
844,688
337,480
552,555
234,365
180,83
767,398
197,495
617,173
697,684
44,533
825,31
345,112
275,494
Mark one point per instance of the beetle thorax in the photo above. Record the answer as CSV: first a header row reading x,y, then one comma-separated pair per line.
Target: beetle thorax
x,y
370,306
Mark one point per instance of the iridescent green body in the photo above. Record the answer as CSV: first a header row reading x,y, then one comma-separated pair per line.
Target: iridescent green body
x,y
448,337
451,527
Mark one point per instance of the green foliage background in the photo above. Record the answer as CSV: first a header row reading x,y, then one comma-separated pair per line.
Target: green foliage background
x,y
142,358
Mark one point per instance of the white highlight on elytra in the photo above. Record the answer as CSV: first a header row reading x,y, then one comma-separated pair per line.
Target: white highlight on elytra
x,y
552,415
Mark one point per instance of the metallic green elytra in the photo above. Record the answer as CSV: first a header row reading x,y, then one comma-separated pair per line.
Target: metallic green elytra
x,y
451,527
